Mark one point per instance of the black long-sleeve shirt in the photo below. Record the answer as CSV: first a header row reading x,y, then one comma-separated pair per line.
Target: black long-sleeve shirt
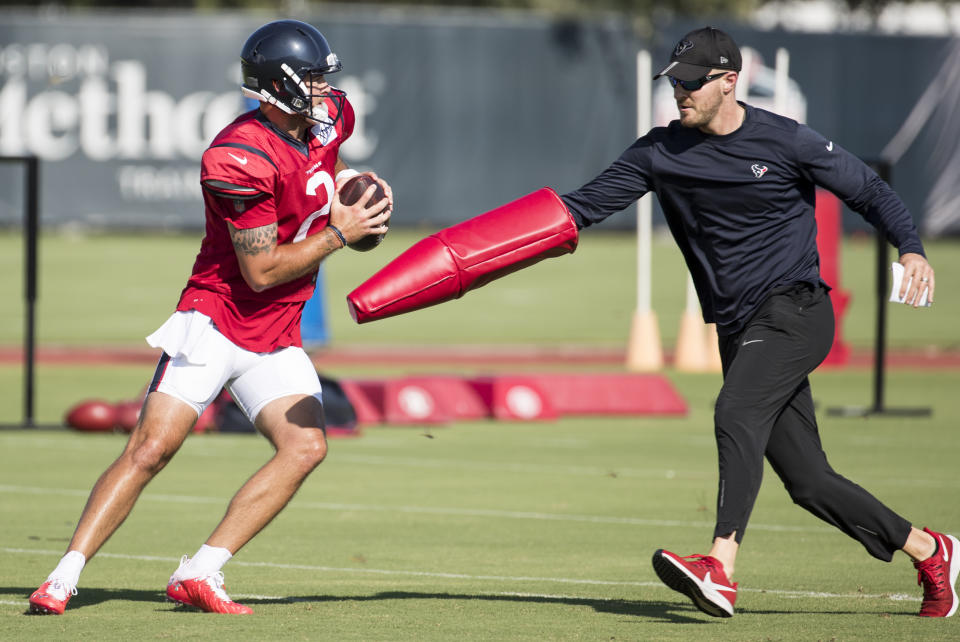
x,y
741,206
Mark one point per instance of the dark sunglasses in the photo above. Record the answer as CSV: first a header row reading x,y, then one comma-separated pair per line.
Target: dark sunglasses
x,y
693,85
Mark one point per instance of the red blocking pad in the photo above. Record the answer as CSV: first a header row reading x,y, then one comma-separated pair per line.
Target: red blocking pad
x,y
432,399
441,399
515,398
366,397
611,394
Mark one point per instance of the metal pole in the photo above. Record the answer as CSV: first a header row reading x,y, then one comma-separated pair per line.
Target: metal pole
x,y
781,81
644,353
880,343
880,346
30,225
644,232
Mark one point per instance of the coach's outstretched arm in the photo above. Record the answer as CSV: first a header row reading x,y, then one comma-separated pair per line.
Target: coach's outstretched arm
x,y
465,256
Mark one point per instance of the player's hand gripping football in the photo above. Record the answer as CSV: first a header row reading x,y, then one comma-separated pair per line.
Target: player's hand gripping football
x,y
364,216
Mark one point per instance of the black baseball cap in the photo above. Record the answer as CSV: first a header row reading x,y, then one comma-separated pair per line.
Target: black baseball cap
x,y
700,51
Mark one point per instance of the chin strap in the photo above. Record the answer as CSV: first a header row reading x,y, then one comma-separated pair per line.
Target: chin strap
x,y
265,96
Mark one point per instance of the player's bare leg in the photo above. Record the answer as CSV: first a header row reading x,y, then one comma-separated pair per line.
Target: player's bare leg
x,y
293,426
162,429
164,425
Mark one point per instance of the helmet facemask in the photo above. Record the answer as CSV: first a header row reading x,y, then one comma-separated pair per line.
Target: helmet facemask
x,y
316,108
293,94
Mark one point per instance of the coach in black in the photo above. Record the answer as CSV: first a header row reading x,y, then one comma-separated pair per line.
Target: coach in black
x,y
736,185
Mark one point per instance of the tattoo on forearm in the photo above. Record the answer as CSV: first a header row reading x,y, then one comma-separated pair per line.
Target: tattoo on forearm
x,y
256,240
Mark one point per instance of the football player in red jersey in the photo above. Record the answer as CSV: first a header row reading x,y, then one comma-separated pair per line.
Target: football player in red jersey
x,y
272,215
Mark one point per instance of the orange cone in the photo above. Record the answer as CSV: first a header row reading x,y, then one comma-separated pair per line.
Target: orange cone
x,y
713,363
691,352
644,353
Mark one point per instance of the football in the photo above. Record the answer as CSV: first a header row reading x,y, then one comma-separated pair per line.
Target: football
x,y
351,192
92,415
128,413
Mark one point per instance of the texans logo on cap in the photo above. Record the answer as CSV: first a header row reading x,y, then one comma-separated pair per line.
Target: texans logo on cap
x,y
700,51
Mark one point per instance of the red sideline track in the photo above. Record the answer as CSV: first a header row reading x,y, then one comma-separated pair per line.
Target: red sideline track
x,y
485,355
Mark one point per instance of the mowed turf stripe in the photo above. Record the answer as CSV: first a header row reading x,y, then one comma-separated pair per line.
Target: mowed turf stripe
x,y
895,597
428,510
525,468
204,450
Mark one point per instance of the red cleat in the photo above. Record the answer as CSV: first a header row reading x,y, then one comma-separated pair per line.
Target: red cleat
x,y
699,577
51,598
938,576
176,593
207,594
175,590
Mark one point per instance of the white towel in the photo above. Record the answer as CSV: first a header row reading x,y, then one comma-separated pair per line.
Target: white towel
x,y
897,280
186,335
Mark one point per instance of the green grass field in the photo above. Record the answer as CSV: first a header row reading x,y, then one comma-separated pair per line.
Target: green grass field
x,y
479,530
487,531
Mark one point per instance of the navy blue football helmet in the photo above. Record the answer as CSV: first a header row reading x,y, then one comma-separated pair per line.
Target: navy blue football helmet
x,y
288,51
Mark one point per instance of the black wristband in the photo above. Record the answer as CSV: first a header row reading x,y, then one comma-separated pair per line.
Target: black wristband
x,y
343,241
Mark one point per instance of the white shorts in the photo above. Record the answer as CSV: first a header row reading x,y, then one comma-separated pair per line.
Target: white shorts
x,y
198,361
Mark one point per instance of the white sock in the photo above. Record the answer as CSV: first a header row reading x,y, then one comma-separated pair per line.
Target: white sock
x,y
207,561
68,570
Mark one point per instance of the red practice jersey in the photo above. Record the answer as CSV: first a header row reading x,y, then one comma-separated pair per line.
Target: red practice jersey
x,y
253,175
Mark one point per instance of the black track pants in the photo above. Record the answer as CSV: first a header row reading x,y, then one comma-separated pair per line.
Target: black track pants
x,y
765,409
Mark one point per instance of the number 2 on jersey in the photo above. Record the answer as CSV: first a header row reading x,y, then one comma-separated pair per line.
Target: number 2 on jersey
x,y
319,180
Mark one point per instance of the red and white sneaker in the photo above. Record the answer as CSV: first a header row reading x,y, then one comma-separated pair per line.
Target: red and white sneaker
x,y
176,593
938,576
51,598
699,577
207,594
175,590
